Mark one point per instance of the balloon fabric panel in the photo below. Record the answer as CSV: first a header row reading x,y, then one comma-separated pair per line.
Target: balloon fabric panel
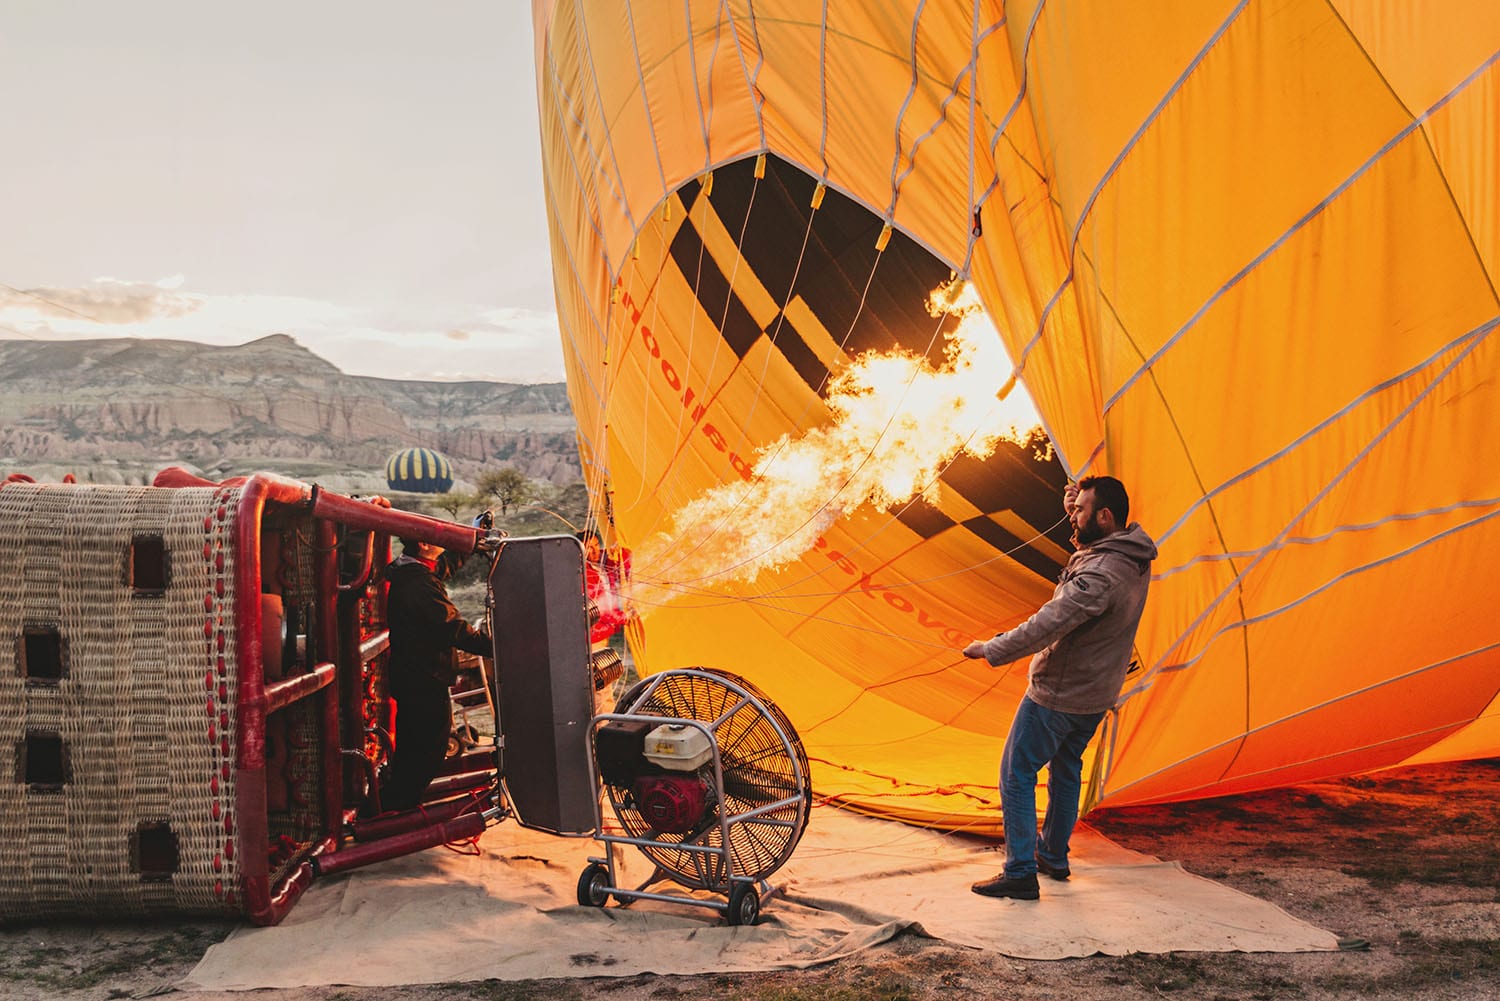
x,y
1242,256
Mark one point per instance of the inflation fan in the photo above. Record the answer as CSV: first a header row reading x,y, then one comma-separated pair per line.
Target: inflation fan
x,y
708,779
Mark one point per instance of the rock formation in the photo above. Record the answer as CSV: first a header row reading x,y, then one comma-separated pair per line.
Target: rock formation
x,y
267,404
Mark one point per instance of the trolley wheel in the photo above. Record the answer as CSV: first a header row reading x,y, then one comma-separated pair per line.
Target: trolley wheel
x,y
593,886
744,904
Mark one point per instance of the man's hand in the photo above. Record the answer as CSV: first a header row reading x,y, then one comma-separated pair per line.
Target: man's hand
x,y
1070,498
974,650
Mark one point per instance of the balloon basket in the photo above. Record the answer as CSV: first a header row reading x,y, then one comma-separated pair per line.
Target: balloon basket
x,y
196,669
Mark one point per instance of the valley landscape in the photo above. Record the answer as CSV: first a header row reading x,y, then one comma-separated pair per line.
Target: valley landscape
x,y
117,410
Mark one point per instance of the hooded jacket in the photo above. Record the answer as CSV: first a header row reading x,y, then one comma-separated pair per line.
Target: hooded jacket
x,y
425,627
1083,636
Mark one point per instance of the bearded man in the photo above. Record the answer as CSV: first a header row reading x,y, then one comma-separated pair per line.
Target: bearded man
x,y
1082,640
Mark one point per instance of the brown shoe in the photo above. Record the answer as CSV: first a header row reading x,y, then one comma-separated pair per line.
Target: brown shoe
x,y
1018,888
1058,872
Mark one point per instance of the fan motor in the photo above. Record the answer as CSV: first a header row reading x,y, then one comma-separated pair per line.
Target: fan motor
x,y
672,804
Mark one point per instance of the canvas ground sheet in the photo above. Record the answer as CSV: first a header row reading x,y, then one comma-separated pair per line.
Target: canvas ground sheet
x,y
511,913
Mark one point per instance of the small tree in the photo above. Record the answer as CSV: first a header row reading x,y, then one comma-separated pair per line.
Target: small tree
x,y
455,502
507,485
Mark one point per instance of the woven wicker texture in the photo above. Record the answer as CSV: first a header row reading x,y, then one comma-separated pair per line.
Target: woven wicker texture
x,y
145,708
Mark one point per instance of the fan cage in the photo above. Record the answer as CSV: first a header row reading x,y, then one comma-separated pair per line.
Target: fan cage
x,y
761,790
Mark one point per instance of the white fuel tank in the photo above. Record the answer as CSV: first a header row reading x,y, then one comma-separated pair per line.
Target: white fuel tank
x,y
678,746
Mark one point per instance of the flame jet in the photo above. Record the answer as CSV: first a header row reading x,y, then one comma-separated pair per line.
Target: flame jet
x,y
896,424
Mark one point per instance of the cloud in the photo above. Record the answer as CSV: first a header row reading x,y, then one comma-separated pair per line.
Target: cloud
x,y
457,335
105,301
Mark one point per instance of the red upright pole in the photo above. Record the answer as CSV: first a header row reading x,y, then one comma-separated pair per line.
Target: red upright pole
x,y
326,587
249,816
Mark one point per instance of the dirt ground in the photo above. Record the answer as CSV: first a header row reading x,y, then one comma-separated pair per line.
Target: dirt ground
x,y
1404,864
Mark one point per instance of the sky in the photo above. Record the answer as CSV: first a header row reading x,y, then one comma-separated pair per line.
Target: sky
x,y
362,176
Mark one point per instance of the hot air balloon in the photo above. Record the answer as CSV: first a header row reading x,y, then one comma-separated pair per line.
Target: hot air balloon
x,y
1241,255
419,470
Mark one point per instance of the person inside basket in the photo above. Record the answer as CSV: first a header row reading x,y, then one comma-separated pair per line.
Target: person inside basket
x,y
425,630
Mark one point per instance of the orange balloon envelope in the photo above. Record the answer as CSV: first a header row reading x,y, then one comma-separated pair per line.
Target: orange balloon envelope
x,y
1241,255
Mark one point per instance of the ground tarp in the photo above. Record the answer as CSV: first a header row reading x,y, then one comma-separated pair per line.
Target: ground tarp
x,y
511,913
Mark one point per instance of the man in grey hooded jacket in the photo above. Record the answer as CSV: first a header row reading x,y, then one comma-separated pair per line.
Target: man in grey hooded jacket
x,y
1082,639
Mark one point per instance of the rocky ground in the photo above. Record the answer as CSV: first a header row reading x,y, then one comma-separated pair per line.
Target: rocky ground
x,y
1404,864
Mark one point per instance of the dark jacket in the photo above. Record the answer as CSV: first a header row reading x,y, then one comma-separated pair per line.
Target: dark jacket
x,y
425,627
1082,638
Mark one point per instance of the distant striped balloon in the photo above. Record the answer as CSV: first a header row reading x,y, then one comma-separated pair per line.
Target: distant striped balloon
x,y
420,471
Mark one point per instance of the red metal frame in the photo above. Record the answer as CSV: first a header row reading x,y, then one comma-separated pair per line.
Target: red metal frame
x,y
264,903
379,828
469,825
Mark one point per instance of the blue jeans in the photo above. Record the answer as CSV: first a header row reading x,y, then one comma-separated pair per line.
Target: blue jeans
x,y
1040,736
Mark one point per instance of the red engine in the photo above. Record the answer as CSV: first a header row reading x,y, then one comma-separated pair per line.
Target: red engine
x,y
673,804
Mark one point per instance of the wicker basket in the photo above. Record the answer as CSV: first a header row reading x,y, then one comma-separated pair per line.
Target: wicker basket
x,y
121,705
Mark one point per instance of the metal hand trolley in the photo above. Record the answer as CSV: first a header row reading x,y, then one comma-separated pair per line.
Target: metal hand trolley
x,y
709,780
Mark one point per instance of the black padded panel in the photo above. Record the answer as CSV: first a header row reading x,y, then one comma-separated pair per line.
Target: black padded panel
x,y
545,697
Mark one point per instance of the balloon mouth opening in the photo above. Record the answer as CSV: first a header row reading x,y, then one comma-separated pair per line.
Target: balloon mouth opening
x,y
814,363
